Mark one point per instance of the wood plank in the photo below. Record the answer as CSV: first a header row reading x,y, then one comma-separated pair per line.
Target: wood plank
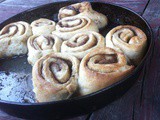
x,y
151,92
152,13
10,10
136,5
124,108
39,2
28,2
7,11
12,7
130,101
147,93
137,103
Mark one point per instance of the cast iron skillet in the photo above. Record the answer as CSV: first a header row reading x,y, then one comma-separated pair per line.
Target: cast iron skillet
x,y
16,96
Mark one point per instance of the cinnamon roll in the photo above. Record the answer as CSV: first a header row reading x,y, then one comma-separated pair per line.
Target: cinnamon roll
x,y
101,68
39,46
82,43
55,77
43,26
13,39
83,9
128,39
70,26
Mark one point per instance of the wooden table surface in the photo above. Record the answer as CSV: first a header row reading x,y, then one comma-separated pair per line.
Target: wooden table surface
x,y
142,101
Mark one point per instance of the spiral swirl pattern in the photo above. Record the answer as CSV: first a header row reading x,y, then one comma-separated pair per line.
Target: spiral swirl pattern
x,y
13,39
39,46
13,29
68,27
83,9
106,66
128,39
55,77
43,26
71,10
80,44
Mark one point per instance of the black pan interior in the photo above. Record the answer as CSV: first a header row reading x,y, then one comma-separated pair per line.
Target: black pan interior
x,y
15,73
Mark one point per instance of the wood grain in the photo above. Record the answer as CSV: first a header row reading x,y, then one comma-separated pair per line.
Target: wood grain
x,y
151,91
12,7
152,14
142,101
7,11
125,108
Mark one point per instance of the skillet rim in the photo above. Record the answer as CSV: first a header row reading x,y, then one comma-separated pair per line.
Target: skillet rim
x,y
150,49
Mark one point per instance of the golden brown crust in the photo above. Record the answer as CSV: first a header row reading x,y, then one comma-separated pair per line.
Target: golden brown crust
x,y
55,77
83,9
128,39
82,43
13,39
70,26
101,68
43,26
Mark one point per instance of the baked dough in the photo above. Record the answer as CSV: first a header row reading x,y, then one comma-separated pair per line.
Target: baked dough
x,y
128,39
83,9
82,43
101,68
43,26
13,39
70,26
41,45
55,77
